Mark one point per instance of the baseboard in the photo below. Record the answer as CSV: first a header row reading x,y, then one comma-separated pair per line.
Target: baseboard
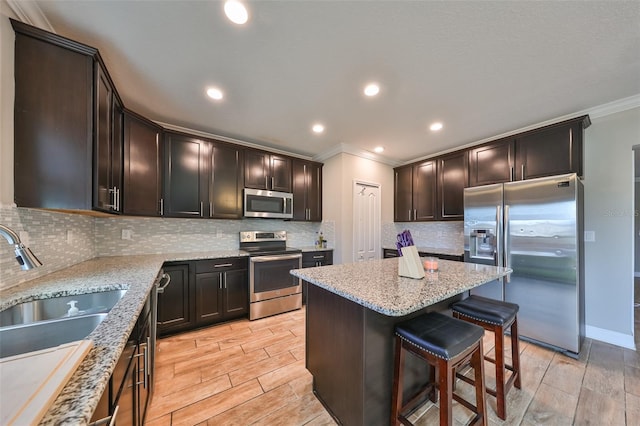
x,y
608,336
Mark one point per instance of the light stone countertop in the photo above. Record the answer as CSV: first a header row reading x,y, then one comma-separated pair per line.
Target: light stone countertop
x,y
307,249
376,285
78,399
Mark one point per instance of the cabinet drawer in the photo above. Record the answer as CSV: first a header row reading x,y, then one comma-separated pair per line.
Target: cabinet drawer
x,y
217,265
387,253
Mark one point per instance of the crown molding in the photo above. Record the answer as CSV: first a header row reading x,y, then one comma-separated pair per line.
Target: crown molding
x,y
603,110
30,13
344,148
222,138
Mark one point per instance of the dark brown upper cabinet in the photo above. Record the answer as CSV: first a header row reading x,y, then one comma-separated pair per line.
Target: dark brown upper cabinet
x,y
492,162
551,150
307,191
186,176
264,170
453,177
547,151
142,166
108,125
226,181
415,192
54,121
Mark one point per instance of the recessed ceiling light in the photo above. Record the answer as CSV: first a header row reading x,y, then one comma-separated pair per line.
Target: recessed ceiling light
x,y
371,89
436,126
378,149
236,12
215,93
317,128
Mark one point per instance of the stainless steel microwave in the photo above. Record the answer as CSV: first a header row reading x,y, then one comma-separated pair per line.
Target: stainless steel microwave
x,y
270,204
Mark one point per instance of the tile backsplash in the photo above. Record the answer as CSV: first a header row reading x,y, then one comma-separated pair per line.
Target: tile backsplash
x,y
60,240
447,235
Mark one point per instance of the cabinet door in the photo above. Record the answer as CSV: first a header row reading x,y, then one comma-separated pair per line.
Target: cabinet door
x,y
143,381
53,125
256,169
492,163
186,189
208,297
403,189
314,192
174,305
452,179
142,167
424,191
226,182
280,173
235,293
126,402
549,151
307,191
104,193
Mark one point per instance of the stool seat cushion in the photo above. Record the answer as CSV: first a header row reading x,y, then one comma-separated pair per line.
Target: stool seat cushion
x,y
440,335
487,310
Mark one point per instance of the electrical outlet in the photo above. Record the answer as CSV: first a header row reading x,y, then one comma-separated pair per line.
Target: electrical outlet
x,y
127,234
589,236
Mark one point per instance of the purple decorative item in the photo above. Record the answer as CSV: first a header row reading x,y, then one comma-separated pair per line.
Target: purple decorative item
x,y
404,240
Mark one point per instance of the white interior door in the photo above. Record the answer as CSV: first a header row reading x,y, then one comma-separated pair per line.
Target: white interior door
x,y
366,221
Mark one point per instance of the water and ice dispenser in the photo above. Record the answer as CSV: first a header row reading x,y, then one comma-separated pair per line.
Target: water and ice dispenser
x,y
482,244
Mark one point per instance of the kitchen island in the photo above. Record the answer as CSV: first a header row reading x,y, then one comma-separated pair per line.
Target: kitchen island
x,y
351,313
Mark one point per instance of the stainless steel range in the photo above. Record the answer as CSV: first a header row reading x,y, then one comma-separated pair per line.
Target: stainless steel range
x,y
272,290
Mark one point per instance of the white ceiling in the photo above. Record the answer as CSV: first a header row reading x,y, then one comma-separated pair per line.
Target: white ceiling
x,y
482,68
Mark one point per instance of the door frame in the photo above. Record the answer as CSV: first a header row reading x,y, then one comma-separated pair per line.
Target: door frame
x,y
378,225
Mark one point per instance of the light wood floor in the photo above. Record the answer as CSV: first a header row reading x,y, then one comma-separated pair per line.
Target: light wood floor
x,y
252,373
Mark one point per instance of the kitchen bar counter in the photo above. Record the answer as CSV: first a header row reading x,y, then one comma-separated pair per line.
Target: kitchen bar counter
x,y
79,398
352,310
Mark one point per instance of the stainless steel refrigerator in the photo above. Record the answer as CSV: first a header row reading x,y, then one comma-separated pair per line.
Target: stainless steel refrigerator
x,y
535,228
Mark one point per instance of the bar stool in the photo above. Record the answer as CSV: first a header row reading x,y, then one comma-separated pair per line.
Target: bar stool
x,y
445,343
494,315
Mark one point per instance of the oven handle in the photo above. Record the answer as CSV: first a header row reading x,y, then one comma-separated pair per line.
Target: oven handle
x,y
259,259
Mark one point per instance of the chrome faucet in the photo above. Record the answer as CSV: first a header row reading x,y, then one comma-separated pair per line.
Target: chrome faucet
x,y
24,256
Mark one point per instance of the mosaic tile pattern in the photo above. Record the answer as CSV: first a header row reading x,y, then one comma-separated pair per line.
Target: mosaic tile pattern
x,y
59,240
444,235
164,235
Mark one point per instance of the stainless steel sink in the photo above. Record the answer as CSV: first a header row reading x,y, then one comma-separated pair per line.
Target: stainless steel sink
x,y
19,339
58,307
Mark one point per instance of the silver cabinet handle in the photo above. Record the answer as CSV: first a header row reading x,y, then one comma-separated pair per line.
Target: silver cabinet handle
x,y
261,259
223,265
201,208
415,214
162,287
318,257
522,176
118,199
210,209
161,206
272,182
511,175
266,182
220,281
409,214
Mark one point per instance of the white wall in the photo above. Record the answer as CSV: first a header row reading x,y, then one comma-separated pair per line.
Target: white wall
x,y
338,175
7,38
609,211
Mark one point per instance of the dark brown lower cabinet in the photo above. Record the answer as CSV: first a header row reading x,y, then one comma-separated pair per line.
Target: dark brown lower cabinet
x,y
312,259
203,292
127,394
174,304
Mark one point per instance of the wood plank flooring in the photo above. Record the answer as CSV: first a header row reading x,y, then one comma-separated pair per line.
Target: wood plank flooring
x,y
252,373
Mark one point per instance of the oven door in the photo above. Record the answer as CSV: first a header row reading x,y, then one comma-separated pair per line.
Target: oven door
x,y
269,276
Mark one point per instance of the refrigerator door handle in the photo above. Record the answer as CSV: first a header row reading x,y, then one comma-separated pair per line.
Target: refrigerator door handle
x,y
505,237
499,251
